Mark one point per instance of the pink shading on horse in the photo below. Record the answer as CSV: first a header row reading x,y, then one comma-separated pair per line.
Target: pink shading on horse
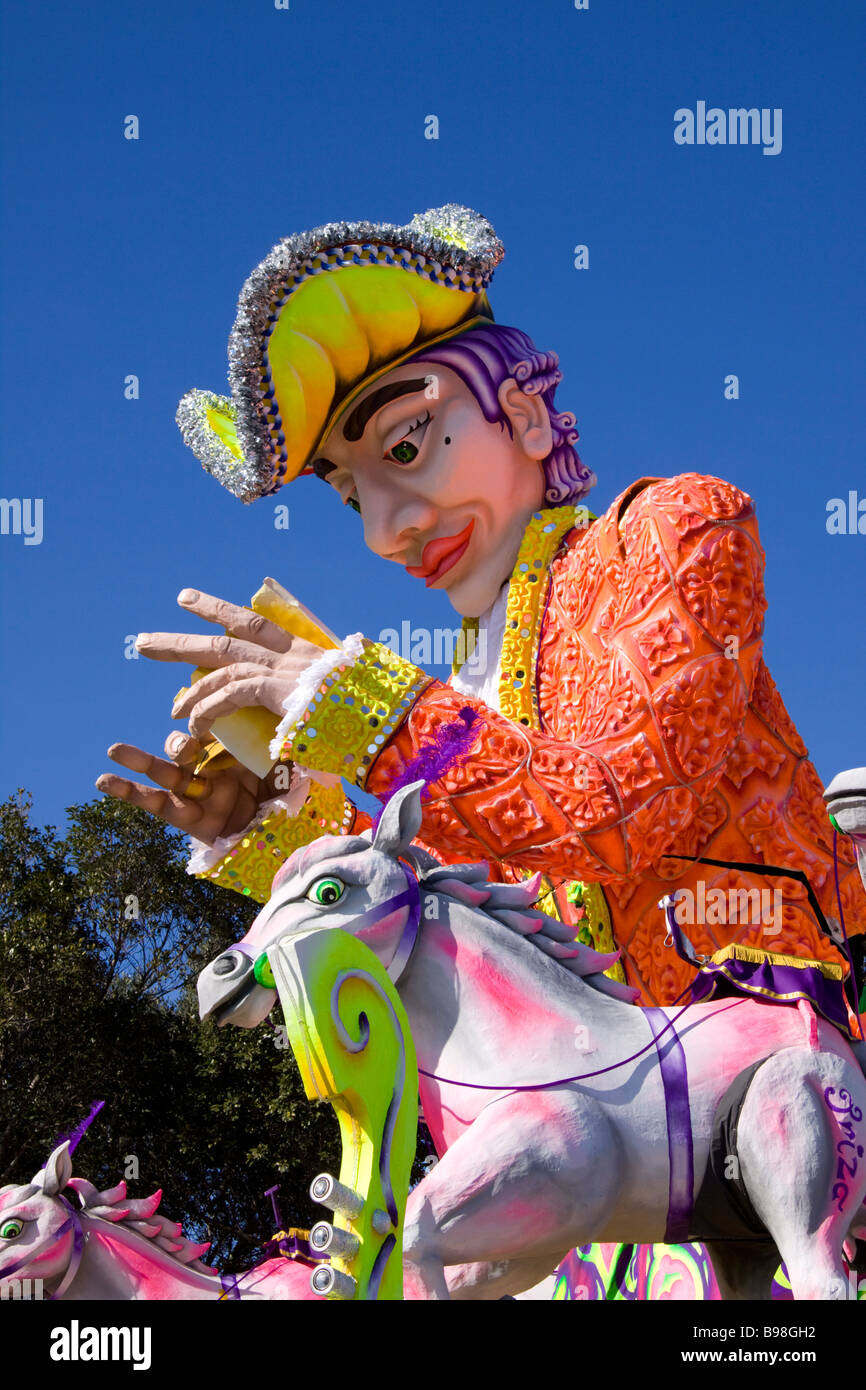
x,y
85,1244
564,1114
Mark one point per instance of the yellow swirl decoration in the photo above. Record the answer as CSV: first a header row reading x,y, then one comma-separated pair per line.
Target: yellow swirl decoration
x,y
249,867
354,712
353,1045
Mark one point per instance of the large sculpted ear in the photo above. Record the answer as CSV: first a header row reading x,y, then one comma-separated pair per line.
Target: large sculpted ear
x,y
56,1173
400,821
529,417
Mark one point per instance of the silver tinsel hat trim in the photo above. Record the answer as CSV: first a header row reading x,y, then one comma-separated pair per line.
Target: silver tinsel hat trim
x,y
452,246
197,432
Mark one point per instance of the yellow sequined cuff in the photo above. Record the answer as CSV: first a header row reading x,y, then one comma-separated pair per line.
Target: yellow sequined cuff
x,y
356,708
250,866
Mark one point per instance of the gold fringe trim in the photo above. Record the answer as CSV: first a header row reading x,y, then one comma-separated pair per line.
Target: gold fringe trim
x,y
752,954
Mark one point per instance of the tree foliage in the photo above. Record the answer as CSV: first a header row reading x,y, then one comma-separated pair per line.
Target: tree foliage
x,y
102,935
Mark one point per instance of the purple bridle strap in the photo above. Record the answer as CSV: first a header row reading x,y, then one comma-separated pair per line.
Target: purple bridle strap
x,y
853,974
406,944
411,898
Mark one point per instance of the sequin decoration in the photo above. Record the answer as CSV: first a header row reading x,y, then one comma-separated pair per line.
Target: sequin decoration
x,y
527,596
355,711
250,866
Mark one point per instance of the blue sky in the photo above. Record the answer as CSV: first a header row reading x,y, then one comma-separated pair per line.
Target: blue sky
x,y
127,257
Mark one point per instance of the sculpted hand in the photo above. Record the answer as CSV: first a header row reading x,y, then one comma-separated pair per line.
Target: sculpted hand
x,y
221,801
256,664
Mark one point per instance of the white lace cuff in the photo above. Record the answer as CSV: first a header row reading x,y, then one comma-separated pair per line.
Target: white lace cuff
x,y
204,857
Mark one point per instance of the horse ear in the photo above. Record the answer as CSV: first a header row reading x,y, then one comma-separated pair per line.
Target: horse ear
x,y
56,1173
400,821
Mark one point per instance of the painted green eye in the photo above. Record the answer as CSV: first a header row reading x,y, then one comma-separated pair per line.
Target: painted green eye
x,y
263,972
10,1229
326,891
404,452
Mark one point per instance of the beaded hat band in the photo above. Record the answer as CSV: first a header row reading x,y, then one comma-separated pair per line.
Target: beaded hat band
x,y
324,315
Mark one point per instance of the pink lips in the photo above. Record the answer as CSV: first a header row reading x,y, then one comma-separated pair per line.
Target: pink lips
x,y
440,555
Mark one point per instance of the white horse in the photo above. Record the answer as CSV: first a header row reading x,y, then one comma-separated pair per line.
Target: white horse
x,y
563,1113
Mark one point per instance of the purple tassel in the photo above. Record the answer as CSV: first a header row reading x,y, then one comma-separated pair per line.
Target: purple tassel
x,y
450,746
77,1134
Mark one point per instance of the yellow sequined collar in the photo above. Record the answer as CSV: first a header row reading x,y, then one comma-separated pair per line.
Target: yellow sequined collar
x,y
528,590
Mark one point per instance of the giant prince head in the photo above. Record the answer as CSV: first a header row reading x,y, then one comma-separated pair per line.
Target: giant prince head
x,y
368,355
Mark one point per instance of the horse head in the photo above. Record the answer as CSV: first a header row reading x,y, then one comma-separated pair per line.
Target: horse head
x,y
361,885
38,1226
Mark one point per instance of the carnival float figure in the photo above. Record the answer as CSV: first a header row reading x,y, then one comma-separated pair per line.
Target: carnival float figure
x,y
63,1237
624,739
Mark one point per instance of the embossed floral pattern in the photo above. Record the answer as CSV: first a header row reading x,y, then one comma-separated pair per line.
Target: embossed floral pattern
x,y
768,704
718,587
635,766
753,755
663,642
700,712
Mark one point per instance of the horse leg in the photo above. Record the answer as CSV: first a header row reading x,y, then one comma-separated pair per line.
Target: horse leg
x,y
787,1148
533,1176
743,1269
492,1279
422,1278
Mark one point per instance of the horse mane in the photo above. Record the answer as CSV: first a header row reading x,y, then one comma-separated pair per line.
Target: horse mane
x,y
512,905
509,904
141,1216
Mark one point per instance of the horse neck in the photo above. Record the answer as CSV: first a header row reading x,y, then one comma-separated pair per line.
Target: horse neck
x,y
121,1264
472,979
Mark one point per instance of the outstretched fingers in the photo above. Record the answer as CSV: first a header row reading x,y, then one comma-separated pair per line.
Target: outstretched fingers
x,y
239,622
217,680
200,650
258,689
165,774
183,814
212,804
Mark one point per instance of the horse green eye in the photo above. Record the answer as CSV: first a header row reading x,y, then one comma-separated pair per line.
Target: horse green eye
x,y
10,1229
326,891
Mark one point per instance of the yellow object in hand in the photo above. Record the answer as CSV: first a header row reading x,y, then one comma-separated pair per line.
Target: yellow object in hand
x,y
274,602
247,734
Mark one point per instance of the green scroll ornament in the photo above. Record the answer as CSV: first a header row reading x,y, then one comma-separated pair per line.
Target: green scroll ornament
x,y
351,1038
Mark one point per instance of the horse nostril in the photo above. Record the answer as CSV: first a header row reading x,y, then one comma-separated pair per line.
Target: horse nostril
x,y
226,964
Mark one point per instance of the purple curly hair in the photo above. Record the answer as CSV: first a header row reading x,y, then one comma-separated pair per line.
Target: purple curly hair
x,y
485,357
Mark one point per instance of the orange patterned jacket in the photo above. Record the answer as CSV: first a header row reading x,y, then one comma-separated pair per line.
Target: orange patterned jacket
x,y
661,733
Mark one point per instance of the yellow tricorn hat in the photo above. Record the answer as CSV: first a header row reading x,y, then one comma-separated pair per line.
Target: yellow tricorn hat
x,y
324,315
